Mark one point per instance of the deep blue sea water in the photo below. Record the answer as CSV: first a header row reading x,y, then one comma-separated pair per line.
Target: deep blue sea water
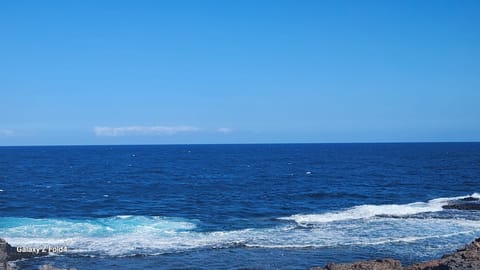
x,y
278,206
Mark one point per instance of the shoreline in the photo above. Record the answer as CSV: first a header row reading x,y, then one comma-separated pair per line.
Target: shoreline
x,y
466,258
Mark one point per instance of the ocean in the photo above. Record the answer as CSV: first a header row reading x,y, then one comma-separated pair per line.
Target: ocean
x,y
258,206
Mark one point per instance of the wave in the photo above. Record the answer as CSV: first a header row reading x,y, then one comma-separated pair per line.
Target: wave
x,y
151,235
115,236
100,227
369,211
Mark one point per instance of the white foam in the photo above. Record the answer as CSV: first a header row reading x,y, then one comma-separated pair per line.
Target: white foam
x,y
129,235
369,211
124,216
142,239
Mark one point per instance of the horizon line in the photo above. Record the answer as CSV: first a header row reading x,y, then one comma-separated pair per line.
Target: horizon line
x,y
248,143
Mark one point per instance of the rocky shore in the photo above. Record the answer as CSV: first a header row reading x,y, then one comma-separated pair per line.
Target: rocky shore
x,y
468,204
9,253
467,258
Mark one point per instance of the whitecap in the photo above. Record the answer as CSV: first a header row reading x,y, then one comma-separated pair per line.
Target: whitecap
x,y
369,211
127,235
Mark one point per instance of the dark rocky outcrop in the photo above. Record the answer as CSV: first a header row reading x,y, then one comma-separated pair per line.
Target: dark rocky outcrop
x,y
3,255
467,203
385,264
9,253
469,199
463,206
467,258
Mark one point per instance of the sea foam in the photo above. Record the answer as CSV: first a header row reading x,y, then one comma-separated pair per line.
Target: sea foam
x,y
133,235
368,211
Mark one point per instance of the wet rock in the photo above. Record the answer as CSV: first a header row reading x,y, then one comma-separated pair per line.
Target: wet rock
x,y
3,255
463,206
467,258
385,264
9,253
467,203
469,199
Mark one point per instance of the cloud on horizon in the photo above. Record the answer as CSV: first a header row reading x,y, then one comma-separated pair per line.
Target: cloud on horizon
x,y
143,130
7,133
224,130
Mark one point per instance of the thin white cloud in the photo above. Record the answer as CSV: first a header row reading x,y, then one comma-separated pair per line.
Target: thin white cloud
x,y
7,133
143,130
224,130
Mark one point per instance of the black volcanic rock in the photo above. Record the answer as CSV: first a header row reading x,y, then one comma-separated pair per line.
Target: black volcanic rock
x,y
469,199
9,253
463,206
467,258
385,264
3,255
468,204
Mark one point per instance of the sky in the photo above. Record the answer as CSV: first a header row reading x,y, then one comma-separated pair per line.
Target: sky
x,y
186,72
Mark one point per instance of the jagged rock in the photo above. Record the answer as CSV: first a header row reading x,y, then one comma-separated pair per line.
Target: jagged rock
x,y
3,255
385,264
9,253
462,206
469,199
467,203
467,258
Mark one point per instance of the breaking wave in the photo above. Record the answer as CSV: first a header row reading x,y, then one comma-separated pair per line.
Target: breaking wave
x,y
368,211
150,235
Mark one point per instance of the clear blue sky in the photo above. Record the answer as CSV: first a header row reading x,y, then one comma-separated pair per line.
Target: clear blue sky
x,y
127,72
